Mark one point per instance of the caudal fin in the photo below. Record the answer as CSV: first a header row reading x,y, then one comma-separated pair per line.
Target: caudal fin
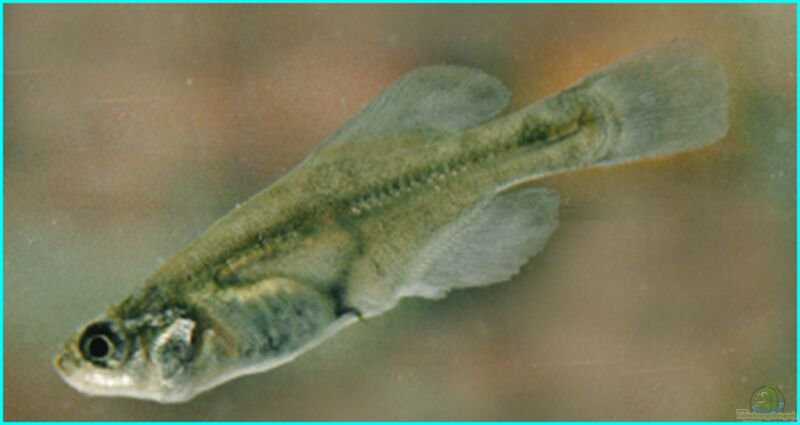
x,y
664,100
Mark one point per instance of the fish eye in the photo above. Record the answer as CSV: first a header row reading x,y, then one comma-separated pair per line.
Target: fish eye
x,y
100,343
98,346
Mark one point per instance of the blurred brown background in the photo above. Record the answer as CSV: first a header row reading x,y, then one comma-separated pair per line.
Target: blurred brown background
x,y
668,292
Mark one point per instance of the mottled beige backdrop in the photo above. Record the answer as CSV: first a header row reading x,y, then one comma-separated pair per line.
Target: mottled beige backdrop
x,y
668,291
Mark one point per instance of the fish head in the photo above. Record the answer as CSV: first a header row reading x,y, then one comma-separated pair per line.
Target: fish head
x,y
150,357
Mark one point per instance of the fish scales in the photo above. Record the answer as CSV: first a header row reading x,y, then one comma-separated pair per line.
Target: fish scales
x,y
419,194
464,151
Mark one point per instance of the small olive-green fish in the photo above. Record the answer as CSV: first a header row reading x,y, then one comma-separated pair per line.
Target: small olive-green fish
x,y
417,195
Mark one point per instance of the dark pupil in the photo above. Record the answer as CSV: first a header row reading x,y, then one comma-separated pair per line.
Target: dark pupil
x,y
99,346
99,343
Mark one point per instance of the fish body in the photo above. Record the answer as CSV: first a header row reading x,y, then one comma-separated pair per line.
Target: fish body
x,y
417,195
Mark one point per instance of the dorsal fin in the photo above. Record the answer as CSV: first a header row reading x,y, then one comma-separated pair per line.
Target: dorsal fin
x,y
439,98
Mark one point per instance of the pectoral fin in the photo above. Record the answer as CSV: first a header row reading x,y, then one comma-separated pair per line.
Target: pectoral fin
x,y
487,245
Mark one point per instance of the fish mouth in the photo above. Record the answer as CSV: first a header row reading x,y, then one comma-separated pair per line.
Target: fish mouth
x,y
93,383
65,364
86,379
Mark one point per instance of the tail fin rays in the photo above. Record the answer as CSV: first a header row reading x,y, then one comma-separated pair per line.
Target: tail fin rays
x,y
665,100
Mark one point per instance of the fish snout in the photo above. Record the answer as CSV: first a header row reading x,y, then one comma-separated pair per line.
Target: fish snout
x,y
66,363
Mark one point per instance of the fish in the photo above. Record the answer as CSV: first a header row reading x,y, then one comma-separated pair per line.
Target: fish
x,y
426,190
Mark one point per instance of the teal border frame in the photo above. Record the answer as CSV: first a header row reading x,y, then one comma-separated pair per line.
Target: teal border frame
x,y
2,87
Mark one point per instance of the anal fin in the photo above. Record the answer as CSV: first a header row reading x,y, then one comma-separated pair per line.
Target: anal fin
x,y
486,245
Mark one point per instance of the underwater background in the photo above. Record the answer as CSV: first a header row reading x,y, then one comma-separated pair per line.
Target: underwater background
x,y
668,291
